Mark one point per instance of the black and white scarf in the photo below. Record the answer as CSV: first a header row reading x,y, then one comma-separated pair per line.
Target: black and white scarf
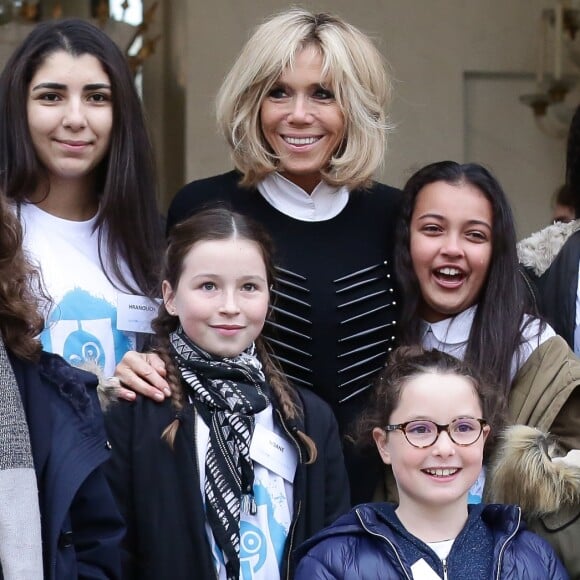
x,y
227,393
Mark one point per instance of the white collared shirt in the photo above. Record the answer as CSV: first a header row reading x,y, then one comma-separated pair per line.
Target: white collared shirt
x,y
324,203
451,336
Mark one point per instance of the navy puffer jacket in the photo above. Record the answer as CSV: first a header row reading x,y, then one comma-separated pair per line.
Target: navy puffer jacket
x,y
369,543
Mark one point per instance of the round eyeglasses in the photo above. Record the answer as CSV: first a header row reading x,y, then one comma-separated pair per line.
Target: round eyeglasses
x,y
421,433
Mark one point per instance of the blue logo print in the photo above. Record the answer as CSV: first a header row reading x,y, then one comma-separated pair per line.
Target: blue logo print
x,y
82,328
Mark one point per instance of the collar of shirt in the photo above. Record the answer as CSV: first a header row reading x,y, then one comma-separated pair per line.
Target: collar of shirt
x,y
324,203
451,331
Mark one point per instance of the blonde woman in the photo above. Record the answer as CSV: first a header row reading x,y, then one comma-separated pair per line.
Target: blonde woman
x,y
304,111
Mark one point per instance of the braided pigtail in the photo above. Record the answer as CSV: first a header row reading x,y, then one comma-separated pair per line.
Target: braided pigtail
x,y
163,325
285,394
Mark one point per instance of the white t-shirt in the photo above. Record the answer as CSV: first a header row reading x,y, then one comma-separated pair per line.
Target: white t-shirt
x,y
262,536
81,322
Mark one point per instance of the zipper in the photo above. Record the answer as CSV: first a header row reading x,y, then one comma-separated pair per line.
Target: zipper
x,y
377,535
444,562
508,539
297,505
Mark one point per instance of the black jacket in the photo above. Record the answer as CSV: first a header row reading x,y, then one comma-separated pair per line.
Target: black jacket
x,y
158,488
81,525
554,272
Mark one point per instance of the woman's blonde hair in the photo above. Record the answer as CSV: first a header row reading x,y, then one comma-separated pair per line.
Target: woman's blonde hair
x,y
355,72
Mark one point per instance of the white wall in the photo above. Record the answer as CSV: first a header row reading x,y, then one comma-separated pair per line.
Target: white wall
x,y
459,67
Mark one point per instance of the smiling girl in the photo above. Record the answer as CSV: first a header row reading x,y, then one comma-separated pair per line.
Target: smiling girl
x,y
464,294
250,466
76,160
430,420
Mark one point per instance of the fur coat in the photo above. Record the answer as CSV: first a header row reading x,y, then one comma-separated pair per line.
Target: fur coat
x,y
537,252
523,472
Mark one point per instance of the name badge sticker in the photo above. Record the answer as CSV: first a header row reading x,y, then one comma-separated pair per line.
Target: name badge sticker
x,y
135,313
274,452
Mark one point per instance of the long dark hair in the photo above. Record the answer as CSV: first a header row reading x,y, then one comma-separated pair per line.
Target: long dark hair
x,y
496,332
219,224
125,179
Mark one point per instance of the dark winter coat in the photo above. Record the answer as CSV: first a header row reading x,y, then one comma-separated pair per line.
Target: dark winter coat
x,y
551,257
82,529
367,544
159,494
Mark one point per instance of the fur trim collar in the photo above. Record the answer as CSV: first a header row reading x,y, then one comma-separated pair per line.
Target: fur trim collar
x,y
523,472
537,252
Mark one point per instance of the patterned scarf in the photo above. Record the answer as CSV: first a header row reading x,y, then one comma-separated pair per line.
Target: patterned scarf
x,y
20,535
227,393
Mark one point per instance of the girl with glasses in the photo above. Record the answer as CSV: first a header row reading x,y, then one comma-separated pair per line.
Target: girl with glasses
x,y
464,293
431,420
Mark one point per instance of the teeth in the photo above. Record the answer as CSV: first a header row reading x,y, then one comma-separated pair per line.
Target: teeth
x,y
300,140
442,472
449,271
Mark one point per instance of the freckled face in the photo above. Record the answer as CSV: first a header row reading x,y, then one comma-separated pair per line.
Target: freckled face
x,y
451,247
222,296
70,114
302,121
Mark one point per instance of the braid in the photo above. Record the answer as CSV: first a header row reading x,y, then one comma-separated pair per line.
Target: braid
x,y
285,395
163,325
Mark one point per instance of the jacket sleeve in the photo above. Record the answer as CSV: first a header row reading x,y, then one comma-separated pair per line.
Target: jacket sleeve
x,y
311,568
337,497
119,424
535,555
329,490
98,529
566,425
546,392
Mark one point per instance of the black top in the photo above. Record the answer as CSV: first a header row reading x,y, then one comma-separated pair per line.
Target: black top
x,y
557,287
335,303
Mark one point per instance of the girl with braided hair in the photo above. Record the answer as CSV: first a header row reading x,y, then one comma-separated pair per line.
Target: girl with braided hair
x,y
231,472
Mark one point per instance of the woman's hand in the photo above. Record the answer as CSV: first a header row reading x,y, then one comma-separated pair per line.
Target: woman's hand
x,y
142,373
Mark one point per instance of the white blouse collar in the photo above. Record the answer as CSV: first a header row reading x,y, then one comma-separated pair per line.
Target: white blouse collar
x,y
324,203
454,330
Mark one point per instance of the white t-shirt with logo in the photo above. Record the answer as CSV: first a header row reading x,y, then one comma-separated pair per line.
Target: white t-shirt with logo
x,y
81,322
